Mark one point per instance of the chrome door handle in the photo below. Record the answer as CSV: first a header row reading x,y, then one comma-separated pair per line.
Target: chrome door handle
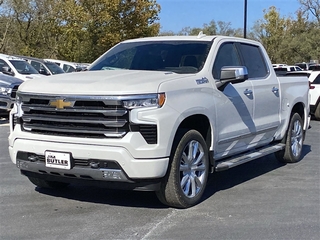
x,y
247,92
275,90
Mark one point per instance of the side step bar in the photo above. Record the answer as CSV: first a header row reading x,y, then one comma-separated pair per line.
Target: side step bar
x,y
247,157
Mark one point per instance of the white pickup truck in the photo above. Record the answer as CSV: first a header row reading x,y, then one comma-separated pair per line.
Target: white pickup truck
x,y
159,114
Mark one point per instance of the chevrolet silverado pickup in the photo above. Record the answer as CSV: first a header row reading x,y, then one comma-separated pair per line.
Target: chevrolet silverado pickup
x,y
159,114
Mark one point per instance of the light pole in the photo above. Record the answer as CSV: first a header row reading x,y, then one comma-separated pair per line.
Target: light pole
x,y
245,20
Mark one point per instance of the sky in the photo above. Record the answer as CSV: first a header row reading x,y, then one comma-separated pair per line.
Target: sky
x,y
177,14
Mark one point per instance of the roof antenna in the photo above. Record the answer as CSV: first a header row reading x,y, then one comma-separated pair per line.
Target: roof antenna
x,y
200,35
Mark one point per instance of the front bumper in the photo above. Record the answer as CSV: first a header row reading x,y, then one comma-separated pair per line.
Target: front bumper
x,y
115,164
143,185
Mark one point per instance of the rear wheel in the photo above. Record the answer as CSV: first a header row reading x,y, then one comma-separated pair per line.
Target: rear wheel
x,y
47,184
293,141
187,176
317,113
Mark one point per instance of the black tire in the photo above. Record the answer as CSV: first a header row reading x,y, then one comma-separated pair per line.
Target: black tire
x,y
41,183
293,141
187,175
317,113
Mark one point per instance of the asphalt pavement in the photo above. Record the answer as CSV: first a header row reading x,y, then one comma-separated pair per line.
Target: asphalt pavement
x,y
263,199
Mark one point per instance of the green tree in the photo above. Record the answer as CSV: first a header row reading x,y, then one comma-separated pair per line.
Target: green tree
x,y
212,28
208,29
28,29
75,30
272,32
5,24
115,20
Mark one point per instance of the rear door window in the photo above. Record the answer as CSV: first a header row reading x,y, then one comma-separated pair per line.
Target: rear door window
x,y
254,61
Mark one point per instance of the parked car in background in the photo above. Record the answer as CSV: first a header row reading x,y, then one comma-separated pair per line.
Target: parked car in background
x,y
44,67
279,65
84,66
314,67
304,65
17,67
66,66
8,88
314,90
288,68
314,79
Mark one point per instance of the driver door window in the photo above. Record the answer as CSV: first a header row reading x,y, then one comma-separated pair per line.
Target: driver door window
x,y
227,56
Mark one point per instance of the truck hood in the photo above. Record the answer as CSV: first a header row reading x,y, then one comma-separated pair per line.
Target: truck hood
x,y
8,80
103,82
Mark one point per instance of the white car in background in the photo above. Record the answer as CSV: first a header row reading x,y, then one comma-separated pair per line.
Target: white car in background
x,y
314,79
44,67
314,90
279,65
287,68
17,67
65,65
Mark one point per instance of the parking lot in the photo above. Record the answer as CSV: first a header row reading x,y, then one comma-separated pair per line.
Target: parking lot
x,y
263,199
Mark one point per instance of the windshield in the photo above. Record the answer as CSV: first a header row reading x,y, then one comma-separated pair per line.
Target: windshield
x,y
174,56
54,68
23,67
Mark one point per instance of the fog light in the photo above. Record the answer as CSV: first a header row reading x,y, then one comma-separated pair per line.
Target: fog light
x,y
112,174
32,158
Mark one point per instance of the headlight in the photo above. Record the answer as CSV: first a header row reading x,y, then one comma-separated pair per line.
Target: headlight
x,y
15,113
151,100
5,90
18,107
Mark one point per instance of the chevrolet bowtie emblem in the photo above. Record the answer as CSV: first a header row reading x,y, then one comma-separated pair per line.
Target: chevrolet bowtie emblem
x,y
60,104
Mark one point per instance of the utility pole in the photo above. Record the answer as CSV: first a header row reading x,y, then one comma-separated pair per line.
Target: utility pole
x,y
245,20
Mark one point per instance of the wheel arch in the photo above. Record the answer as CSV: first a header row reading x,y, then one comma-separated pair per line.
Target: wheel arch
x,y
200,123
300,109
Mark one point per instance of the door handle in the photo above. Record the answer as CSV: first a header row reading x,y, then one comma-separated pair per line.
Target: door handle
x,y
248,92
275,90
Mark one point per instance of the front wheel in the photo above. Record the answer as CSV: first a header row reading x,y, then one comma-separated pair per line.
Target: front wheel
x,y
293,141
186,178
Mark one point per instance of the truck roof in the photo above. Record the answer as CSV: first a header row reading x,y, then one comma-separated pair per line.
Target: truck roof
x,y
200,37
10,57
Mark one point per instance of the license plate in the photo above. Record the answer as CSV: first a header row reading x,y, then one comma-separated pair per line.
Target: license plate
x,y
58,160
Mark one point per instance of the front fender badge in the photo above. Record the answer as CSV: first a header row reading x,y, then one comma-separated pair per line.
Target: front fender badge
x,y
202,80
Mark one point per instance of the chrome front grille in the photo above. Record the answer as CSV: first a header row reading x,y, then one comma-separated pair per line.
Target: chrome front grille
x,y
82,116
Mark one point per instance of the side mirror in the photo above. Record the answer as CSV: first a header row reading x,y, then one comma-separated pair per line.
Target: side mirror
x,y
7,70
233,75
43,72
